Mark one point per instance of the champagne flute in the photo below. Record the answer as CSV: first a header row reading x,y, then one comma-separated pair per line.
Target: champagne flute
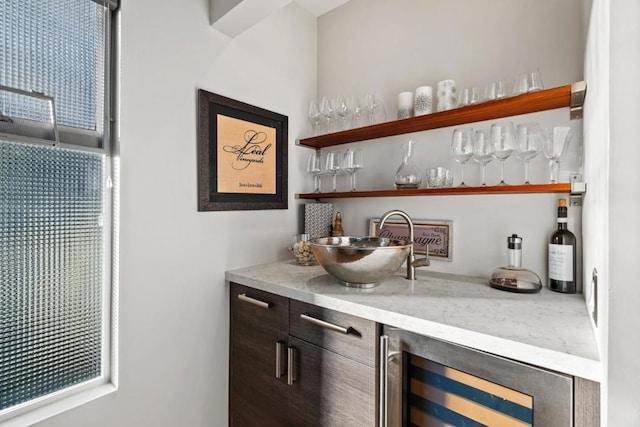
x,y
482,152
527,145
313,167
332,166
462,148
501,135
554,145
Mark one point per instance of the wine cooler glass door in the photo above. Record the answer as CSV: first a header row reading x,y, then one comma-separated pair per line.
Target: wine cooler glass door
x,y
430,383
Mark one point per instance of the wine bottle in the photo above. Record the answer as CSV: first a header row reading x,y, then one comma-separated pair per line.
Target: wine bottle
x,y
562,255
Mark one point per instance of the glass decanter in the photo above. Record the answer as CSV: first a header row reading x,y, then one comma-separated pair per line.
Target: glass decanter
x,y
513,277
407,175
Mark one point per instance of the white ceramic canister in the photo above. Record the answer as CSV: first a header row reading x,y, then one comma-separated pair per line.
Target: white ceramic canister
x,y
423,101
447,96
405,105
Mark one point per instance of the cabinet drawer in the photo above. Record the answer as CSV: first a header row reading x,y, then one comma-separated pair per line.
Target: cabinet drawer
x,y
259,309
359,343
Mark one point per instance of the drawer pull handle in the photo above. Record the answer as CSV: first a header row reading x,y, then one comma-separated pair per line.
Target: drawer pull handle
x,y
245,298
322,323
279,359
384,387
291,365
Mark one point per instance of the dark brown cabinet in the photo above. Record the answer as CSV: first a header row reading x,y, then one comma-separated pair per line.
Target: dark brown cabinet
x,y
258,321
295,364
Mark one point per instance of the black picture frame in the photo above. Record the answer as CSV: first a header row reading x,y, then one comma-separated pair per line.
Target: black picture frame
x,y
212,108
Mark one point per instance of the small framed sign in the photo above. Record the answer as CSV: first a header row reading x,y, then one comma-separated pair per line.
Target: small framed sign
x,y
435,233
242,155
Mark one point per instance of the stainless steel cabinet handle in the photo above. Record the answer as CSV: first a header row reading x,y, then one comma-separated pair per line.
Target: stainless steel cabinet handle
x,y
245,298
324,324
291,365
384,360
279,359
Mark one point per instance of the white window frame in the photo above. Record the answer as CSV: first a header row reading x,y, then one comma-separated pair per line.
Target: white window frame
x,y
55,403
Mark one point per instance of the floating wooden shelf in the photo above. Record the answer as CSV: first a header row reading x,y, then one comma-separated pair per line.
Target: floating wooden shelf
x,y
571,96
450,191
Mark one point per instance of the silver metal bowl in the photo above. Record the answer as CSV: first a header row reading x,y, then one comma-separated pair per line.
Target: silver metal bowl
x,y
361,262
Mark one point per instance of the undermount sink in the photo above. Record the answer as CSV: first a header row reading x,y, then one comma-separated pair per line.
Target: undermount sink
x,y
361,262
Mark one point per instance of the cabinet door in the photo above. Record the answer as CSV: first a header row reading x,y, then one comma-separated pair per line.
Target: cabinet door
x,y
257,397
330,389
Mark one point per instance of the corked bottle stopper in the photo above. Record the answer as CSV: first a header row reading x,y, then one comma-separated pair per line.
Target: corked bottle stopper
x,y
337,226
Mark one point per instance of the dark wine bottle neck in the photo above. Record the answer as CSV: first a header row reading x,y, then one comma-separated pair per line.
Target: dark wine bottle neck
x,y
562,225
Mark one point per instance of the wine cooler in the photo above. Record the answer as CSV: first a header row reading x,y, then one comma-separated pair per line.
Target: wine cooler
x,y
427,382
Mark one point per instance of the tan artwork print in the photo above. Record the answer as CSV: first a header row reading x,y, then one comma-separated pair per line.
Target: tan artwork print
x,y
246,157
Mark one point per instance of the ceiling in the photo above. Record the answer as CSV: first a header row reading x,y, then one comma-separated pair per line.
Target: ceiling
x,y
232,17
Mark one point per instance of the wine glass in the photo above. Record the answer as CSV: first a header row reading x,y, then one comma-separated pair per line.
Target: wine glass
x,y
331,167
313,167
352,163
327,112
462,148
315,117
527,145
355,109
554,144
501,135
375,110
482,152
342,111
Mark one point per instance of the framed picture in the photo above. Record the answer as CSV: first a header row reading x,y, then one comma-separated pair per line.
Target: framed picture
x,y
435,233
242,155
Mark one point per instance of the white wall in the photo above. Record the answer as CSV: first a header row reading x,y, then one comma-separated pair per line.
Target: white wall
x,y
596,201
623,363
173,299
389,47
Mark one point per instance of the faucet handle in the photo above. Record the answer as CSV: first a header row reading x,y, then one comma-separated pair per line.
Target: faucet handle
x,y
422,262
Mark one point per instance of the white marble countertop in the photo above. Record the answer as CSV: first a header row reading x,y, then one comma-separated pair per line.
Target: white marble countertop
x,y
545,329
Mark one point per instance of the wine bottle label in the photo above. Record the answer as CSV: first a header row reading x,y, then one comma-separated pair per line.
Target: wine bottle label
x,y
561,262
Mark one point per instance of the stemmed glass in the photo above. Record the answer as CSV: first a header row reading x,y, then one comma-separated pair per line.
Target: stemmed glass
x,y
327,112
355,108
315,117
482,152
462,148
313,167
332,166
374,108
342,111
352,163
554,144
501,135
527,145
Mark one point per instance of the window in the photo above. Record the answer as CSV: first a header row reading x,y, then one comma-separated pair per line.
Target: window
x,y
55,200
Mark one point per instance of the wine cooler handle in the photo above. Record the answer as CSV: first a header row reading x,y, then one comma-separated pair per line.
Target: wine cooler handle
x,y
291,365
245,298
322,323
279,358
384,361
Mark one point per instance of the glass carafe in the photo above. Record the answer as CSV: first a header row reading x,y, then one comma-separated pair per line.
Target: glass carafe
x,y
513,277
407,175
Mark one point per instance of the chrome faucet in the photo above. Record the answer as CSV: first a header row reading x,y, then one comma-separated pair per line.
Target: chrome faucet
x,y
412,262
